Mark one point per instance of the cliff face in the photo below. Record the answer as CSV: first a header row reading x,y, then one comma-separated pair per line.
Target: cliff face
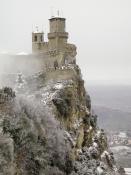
x,y
47,128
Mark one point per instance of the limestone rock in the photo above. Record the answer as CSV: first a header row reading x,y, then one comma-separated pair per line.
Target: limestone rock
x,y
48,128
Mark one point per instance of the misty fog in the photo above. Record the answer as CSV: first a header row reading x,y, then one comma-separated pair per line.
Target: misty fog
x,y
12,65
100,30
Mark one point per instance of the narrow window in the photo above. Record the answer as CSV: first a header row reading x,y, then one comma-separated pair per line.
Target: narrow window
x,y
35,38
41,38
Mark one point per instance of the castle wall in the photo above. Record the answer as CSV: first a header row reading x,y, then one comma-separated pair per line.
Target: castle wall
x,y
65,53
40,47
57,25
52,44
60,74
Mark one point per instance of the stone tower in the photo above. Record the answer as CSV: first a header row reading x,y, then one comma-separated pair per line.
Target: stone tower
x,y
37,40
57,36
57,47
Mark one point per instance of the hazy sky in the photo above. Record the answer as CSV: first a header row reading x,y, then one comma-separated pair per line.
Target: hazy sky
x,y
101,29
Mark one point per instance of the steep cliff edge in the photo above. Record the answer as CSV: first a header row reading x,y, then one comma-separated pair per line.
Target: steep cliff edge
x,y
47,128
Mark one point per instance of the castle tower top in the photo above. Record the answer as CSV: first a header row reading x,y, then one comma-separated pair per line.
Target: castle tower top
x,y
37,37
57,24
57,35
57,44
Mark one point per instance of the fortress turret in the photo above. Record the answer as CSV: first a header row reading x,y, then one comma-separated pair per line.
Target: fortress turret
x,y
37,40
57,36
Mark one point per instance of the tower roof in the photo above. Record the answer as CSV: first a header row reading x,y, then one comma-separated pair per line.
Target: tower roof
x,y
38,32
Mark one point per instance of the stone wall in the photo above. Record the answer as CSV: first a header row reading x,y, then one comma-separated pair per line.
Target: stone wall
x,y
60,74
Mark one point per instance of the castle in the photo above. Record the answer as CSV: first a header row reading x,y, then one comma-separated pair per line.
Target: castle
x,y
57,49
57,53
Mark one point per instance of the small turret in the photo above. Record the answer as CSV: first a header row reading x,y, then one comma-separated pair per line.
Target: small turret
x,y
37,40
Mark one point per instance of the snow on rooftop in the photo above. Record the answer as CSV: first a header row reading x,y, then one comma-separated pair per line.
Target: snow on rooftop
x,y
22,53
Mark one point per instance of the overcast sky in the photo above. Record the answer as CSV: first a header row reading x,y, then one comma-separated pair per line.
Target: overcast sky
x,y
101,30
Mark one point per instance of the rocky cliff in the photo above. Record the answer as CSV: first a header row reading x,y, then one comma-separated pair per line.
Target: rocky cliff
x,y
47,128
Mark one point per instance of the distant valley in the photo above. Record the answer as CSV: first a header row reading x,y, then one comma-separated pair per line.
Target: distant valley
x,y
112,104
113,119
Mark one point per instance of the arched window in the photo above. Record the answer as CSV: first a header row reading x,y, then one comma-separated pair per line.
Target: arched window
x,y
35,38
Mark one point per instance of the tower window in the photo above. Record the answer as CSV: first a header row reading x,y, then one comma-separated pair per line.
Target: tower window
x,y
41,38
35,38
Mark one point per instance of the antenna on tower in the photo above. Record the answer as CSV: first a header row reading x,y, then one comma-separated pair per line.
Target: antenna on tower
x,y
37,29
52,11
62,15
58,13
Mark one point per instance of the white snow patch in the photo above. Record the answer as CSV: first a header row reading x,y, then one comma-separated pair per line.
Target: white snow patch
x,y
77,123
58,86
95,145
70,138
104,154
98,133
122,135
90,128
79,151
128,171
45,95
87,111
22,53
99,170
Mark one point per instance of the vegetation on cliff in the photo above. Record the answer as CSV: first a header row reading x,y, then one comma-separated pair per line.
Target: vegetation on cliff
x,y
47,128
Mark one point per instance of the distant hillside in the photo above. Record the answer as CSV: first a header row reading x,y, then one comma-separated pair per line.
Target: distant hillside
x,y
112,119
114,97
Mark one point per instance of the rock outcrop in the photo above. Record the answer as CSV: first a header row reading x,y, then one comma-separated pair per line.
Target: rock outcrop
x,y
47,128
